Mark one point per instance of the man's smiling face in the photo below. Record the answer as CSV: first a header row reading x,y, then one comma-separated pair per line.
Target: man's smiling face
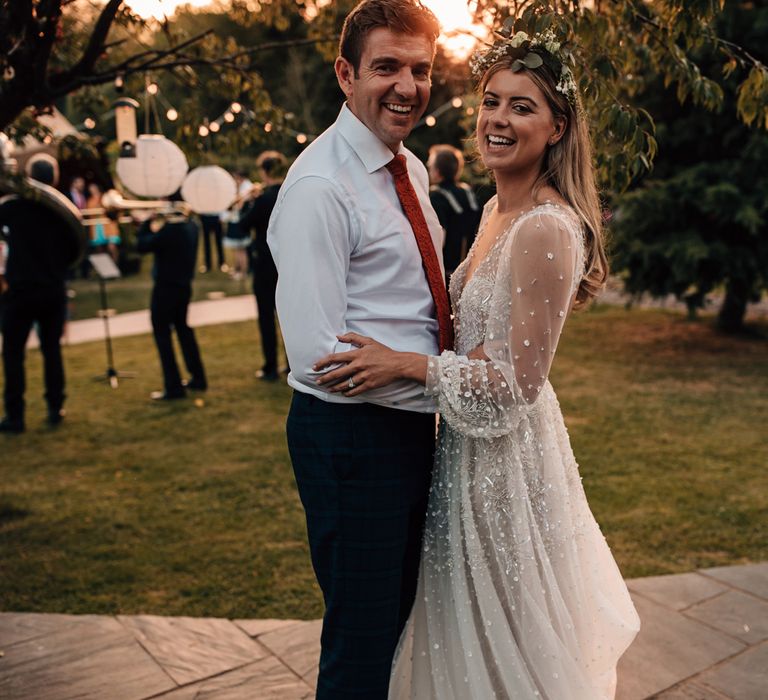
x,y
390,90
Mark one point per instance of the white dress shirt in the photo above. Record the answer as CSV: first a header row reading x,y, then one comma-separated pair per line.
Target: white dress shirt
x,y
347,260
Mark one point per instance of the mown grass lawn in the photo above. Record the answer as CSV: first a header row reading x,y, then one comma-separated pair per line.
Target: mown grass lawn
x,y
191,509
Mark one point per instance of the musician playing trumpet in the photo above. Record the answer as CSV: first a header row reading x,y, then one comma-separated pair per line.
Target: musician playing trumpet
x,y
173,240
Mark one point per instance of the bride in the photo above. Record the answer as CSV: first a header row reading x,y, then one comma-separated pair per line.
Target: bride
x,y
518,594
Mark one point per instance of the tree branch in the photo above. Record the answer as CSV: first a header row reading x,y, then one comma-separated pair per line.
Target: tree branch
x,y
96,42
155,59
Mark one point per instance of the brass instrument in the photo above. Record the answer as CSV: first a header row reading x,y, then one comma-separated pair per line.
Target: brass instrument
x,y
116,209
17,187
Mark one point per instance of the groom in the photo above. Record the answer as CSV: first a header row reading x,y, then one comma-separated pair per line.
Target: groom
x,y
348,261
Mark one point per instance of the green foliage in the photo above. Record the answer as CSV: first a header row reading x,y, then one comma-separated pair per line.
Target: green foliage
x,y
205,59
702,221
617,46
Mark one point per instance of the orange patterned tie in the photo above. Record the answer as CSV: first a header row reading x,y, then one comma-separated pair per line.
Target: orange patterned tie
x,y
410,203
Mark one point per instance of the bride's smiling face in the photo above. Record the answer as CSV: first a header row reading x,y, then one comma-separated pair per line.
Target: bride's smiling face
x,y
515,124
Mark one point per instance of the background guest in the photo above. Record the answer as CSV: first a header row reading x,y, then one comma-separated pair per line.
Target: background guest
x,y
105,237
455,204
77,193
212,228
237,237
39,254
255,218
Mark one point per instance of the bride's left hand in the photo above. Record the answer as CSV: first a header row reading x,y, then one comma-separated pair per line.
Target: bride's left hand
x,y
370,365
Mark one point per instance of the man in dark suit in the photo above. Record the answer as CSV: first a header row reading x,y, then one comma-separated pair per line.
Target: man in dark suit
x,y
174,244
40,250
255,217
454,202
212,229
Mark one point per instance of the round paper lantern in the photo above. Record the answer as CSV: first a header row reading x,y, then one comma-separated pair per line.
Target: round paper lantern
x,y
209,189
157,170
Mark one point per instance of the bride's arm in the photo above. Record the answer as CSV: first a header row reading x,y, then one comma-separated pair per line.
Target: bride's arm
x,y
487,397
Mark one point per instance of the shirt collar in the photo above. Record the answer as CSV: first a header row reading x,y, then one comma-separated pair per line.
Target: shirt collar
x,y
373,153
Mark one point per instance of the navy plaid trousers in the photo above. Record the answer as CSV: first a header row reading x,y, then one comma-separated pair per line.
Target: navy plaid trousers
x,y
363,474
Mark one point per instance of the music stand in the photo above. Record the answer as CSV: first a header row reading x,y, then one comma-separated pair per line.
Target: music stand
x,y
106,269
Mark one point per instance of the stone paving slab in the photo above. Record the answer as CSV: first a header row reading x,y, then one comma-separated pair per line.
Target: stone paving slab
x,y
677,591
18,627
738,614
298,646
691,691
669,649
254,628
752,578
692,646
743,678
94,660
268,679
190,649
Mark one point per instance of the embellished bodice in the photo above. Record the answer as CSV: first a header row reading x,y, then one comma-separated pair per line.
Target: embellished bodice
x,y
471,301
514,305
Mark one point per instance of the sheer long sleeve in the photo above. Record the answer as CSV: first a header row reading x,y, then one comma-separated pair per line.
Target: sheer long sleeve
x,y
539,267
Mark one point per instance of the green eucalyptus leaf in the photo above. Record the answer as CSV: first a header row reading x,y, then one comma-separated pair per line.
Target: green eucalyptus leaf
x,y
533,60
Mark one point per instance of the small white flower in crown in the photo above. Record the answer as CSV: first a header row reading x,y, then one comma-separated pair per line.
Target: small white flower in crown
x,y
529,51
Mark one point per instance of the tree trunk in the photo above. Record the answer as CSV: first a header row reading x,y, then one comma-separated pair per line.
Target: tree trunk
x,y
730,319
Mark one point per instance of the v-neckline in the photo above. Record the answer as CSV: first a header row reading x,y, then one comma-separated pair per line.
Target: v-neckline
x,y
502,234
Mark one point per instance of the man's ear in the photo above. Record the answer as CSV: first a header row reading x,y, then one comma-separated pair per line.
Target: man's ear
x,y
345,73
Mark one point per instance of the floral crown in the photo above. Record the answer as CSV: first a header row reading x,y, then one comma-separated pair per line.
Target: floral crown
x,y
529,52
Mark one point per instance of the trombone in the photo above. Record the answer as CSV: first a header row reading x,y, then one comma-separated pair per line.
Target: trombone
x,y
116,209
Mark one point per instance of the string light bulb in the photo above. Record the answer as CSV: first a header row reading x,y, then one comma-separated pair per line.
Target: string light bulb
x,y
229,117
457,102
470,111
89,123
430,120
301,138
203,130
268,127
236,107
152,88
214,126
172,115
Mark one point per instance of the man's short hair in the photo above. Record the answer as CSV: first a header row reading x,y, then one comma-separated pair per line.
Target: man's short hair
x,y
272,163
447,160
43,168
399,16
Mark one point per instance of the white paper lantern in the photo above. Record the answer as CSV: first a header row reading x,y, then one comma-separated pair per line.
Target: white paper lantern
x,y
157,170
209,189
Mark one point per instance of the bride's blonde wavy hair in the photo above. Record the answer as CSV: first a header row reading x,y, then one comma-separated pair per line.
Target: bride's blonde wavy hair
x,y
569,169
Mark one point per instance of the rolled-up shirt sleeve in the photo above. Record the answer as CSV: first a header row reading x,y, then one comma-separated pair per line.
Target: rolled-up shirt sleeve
x,y
311,237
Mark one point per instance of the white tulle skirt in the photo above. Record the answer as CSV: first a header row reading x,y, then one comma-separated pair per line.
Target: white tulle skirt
x,y
518,596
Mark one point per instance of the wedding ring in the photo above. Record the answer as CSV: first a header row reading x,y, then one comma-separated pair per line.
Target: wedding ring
x,y
350,383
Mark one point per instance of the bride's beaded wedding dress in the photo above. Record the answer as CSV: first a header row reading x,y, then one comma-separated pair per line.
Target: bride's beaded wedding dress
x,y
519,596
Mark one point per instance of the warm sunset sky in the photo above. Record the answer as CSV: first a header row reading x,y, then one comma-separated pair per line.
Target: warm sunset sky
x,y
453,14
